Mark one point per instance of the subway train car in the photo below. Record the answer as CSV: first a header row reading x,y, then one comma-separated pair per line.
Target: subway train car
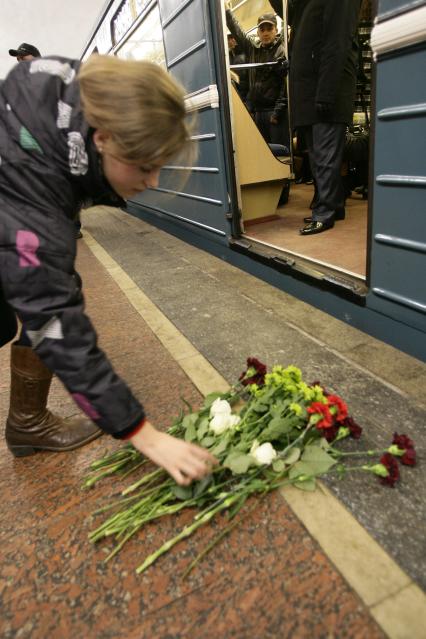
x,y
244,200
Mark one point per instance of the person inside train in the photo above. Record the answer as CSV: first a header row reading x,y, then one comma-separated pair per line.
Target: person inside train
x,y
76,147
267,96
237,57
25,52
323,72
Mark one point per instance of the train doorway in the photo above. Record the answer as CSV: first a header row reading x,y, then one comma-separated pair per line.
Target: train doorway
x,y
275,180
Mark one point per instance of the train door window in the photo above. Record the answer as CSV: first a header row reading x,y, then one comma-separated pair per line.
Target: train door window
x,y
145,41
272,164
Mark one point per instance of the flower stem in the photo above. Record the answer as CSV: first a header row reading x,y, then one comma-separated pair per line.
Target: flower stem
x,y
216,540
144,480
185,532
361,453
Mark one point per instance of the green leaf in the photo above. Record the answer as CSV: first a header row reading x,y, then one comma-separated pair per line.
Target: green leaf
x,y
260,407
300,468
318,459
323,443
277,427
292,456
208,441
220,447
190,432
308,484
278,408
200,486
191,418
278,465
182,492
238,463
202,427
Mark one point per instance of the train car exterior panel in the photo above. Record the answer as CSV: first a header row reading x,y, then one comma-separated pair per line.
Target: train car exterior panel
x,y
398,225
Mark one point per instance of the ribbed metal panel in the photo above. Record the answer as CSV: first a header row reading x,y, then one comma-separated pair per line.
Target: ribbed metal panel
x,y
388,9
398,246
203,197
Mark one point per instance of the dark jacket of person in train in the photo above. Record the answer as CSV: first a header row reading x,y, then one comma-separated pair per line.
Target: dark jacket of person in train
x,y
49,168
267,89
237,57
324,61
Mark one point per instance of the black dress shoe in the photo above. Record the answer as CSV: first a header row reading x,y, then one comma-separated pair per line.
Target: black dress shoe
x,y
339,214
316,227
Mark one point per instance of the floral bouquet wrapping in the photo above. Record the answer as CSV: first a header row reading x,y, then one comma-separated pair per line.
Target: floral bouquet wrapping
x,y
268,430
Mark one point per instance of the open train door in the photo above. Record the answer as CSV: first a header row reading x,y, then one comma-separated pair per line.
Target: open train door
x,y
398,224
192,34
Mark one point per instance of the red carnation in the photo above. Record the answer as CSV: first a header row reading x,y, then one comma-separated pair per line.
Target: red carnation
x,y
391,466
321,409
405,443
331,433
342,409
402,441
409,457
256,371
354,429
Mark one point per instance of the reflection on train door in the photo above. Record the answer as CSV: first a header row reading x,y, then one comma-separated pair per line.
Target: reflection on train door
x,y
203,200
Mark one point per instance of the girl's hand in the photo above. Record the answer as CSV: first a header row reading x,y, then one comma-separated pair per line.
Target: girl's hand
x,y
182,460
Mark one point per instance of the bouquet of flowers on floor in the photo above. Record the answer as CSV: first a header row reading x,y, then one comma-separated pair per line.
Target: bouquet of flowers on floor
x,y
267,431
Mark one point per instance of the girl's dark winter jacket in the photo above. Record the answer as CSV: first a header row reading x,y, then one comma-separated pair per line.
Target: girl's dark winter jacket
x,y
49,168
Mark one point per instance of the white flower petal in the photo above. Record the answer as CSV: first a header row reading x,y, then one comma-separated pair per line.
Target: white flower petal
x,y
220,406
264,454
219,424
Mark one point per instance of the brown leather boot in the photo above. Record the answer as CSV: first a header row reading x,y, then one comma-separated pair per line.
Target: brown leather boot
x,y
30,426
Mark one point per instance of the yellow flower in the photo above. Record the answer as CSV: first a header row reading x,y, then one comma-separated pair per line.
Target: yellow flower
x,y
319,395
296,408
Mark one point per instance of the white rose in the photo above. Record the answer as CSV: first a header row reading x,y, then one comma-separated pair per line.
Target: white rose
x,y
219,423
222,422
264,454
220,407
234,420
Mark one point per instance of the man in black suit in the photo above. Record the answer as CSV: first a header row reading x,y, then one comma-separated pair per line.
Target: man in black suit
x,y
323,71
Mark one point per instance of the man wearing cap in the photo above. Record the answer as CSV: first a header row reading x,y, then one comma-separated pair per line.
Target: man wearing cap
x,y
25,52
267,96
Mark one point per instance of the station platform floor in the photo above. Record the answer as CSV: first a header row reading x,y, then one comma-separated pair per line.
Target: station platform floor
x,y
347,561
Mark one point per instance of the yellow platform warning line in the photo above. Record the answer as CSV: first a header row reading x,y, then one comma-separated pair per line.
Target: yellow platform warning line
x,y
397,604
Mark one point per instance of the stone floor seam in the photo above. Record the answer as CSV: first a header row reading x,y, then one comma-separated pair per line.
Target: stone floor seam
x,y
340,355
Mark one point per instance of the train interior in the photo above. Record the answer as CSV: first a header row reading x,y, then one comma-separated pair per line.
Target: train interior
x,y
276,189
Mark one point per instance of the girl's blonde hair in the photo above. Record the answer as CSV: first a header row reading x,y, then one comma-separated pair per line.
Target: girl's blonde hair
x,y
138,103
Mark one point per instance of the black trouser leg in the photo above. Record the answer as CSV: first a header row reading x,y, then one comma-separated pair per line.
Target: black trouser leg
x,y
273,133
325,142
262,119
